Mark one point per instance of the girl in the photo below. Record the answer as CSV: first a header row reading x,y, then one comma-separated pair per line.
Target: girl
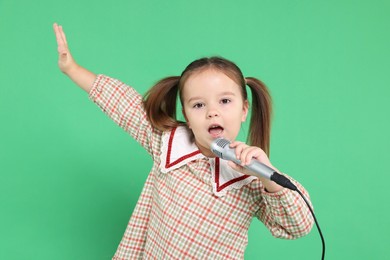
x,y
194,205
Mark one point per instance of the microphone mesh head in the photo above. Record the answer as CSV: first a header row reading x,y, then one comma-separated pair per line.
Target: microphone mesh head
x,y
218,145
222,142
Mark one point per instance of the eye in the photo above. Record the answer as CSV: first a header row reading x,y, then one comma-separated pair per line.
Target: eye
x,y
198,105
225,101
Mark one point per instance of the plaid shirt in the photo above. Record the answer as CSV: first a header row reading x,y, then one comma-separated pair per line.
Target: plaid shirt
x,y
179,215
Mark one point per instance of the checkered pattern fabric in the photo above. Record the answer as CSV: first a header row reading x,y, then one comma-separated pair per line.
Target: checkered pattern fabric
x,y
177,215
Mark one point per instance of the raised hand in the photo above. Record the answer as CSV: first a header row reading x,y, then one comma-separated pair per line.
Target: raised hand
x,y
65,59
81,76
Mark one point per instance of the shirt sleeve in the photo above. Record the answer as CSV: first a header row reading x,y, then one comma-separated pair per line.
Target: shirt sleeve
x,y
285,213
124,105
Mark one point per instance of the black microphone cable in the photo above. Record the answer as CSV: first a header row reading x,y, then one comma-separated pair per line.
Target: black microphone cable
x,y
285,182
315,220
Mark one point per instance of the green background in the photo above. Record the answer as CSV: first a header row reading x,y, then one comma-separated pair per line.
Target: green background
x,y
70,178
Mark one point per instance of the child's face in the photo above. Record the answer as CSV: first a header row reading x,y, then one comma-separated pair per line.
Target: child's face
x,y
213,107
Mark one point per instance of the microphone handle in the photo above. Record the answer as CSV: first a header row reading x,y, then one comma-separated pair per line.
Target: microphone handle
x,y
264,171
260,170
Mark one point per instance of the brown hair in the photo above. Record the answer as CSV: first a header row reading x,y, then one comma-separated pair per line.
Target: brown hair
x,y
160,100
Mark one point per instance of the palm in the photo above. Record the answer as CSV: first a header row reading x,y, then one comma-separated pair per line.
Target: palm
x,y
65,60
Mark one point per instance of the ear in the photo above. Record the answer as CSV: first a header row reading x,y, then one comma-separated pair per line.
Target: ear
x,y
245,109
185,117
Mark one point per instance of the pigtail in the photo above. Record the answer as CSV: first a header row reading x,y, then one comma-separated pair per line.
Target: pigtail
x,y
260,123
160,104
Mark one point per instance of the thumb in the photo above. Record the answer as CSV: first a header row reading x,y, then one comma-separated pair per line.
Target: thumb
x,y
236,167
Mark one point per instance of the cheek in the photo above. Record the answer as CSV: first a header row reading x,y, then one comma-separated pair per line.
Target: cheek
x,y
183,111
189,117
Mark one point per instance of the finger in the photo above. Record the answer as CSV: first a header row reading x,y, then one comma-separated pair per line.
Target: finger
x,y
63,36
60,41
251,153
238,149
57,33
238,168
245,155
235,166
234,144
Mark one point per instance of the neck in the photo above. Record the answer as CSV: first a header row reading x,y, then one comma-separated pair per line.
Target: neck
x,y
205,151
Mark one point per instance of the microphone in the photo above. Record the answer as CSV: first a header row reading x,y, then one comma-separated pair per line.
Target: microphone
x,y
220,147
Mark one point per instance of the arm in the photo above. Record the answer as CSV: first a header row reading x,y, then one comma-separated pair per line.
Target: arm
x,y
79,75
124,105
285,213
120,102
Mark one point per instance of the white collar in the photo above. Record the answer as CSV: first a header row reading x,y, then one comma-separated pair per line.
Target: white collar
x,y
178,149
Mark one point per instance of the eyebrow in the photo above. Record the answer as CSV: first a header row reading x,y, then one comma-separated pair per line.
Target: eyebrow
x,y
226,93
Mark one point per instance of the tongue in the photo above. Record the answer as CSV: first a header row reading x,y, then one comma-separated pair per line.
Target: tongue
x,y
215,131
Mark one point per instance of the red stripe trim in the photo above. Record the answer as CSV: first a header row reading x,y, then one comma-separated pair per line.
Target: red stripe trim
x,y
219,188
168,162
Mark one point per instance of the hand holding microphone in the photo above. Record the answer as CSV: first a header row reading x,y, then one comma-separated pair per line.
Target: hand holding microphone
x,y
221,148
247,154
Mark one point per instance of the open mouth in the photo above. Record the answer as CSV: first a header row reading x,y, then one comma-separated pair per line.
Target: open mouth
x,y
215,130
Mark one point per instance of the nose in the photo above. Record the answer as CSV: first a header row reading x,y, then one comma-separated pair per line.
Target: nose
x,y
212,113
